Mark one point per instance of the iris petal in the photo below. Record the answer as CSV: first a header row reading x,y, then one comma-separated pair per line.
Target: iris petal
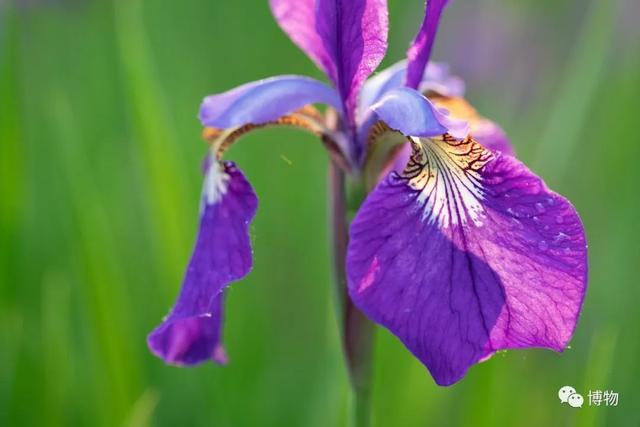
x,y
466,253
436,82
409,112
264,101
436,78
420,49
191,333
346,39
283,100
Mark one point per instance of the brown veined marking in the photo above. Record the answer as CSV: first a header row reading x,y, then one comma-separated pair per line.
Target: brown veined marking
x,y
446,173
307,118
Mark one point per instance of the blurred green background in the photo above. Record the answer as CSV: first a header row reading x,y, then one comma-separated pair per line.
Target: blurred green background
x,y
100,157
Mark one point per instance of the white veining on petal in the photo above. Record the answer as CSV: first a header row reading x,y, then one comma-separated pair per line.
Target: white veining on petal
x,y
215,184
446,172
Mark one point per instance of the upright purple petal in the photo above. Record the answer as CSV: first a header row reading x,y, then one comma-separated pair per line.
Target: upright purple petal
x,y
191,333
264,101
420,50
346,39
298,19
466,253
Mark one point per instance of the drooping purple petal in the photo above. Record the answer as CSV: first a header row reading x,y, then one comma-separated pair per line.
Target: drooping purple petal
x,y
191,333
264,101
346,39
466,253
420,49
409,112
193,339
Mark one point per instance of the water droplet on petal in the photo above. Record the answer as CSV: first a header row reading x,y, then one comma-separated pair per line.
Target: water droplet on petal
x,y
550,201
542,245
540,207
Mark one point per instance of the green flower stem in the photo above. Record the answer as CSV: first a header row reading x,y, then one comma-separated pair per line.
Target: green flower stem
x,y
357,330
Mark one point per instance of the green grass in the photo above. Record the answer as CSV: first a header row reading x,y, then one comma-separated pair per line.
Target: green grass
x,y
99,182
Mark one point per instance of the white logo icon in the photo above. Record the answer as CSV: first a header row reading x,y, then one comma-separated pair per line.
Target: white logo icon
x,y
568,394
576,400
565,392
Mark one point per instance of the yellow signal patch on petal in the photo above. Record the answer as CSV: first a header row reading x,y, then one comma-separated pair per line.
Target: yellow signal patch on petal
x,y
446,172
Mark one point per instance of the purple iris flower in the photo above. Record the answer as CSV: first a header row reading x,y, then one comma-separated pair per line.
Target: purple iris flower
x,y
458,249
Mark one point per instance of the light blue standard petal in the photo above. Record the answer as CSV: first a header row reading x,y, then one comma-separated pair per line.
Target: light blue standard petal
x,y
384,81
264,101
409,112
436,78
